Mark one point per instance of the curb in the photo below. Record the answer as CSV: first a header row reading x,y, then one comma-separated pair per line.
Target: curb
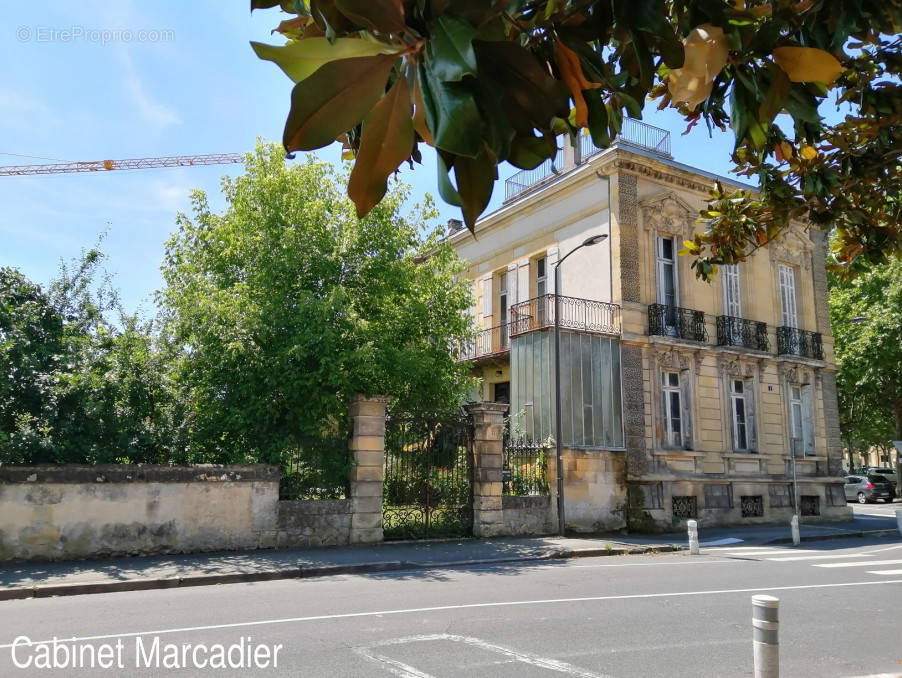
x,y
301,572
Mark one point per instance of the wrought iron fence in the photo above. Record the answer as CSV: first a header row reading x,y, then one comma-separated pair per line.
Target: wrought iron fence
x,y
525,468
732,331
633,132
576,314
316,469
426,490
525,179
793,341
673,321
488,342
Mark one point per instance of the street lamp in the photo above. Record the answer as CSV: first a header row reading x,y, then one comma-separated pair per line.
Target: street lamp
x,y
588,242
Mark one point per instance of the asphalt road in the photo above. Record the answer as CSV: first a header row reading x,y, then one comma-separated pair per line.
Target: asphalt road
x,y
663,615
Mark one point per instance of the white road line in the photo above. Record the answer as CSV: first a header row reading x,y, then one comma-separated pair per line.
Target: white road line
x,y
822,557
884,571
466,606
407,671
764,552
888,548
692,562
866,563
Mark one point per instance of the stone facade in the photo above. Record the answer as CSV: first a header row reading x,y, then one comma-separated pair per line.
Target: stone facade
x,y
488,432
529,516
367,415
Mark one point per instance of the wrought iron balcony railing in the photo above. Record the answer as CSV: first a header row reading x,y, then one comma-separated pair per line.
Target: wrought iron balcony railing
x,y
584,315
632,132
793,341
673,321
732,331
488,342
525,179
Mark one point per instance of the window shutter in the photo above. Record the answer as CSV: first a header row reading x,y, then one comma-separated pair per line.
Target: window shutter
x,y
807,420
472,310
732,302
550,265
788,296
512,295
751,430
523,281
686,423
487,296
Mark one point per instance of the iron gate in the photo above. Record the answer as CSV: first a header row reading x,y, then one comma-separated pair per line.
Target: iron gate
x,y
426,492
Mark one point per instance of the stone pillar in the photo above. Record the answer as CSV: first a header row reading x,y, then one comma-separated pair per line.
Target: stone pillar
x,y
488,458
367,444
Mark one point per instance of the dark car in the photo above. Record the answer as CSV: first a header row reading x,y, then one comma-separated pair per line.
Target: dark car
x,y
868,488
885,471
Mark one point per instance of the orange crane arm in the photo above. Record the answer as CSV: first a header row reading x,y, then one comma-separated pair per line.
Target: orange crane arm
x,y
132,163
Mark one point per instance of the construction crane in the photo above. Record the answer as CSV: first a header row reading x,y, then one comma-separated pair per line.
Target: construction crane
x,y
129,164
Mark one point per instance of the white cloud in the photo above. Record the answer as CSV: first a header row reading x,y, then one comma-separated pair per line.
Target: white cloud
x,y
154,113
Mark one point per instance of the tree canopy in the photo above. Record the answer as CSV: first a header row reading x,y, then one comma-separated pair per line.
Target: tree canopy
x,y
487,82
286,304
867,320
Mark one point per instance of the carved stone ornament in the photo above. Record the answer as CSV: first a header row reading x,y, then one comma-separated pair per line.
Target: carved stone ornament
x,y
669,213
672,358
792,248
794,374
734,366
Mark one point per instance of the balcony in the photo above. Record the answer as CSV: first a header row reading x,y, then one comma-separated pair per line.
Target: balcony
x,y
583,315
732,331
793,341
676,322
488,343
633,133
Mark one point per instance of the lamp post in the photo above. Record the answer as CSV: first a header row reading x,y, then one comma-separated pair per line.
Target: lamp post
x,y
588,242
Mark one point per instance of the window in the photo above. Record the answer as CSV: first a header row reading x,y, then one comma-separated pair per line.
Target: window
x,y
800,425
718,496
788,296
741,416
732,302
672,411
667,289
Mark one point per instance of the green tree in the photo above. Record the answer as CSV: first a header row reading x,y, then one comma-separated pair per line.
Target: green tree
x,y
867,320
492,82
80,388
286,304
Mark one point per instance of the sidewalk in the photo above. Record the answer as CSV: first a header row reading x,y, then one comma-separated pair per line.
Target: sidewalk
x,y
28,580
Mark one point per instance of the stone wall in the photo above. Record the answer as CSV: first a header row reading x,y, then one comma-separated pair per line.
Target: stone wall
x,y
594,489
55,513
529,516
320,522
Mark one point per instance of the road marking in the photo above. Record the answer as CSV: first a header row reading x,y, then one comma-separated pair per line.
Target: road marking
x,y
888,548
884,571
722,542
465,606
822,557
407,671
692,562
866,563
765,551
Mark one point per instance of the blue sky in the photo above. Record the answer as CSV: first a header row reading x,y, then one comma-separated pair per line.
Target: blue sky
x,y
192,85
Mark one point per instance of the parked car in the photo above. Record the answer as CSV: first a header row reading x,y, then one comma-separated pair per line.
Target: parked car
x,y
886,471
867,489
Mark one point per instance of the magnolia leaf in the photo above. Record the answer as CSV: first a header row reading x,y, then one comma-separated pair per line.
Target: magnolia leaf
x,y
777,94
808,64
475,180
528,152
450,48
808,152
334,99
419,112
300,59
451,114
385,143
445,187
384,16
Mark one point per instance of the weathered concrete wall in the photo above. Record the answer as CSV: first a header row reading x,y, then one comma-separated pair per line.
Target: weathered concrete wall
x,y
319,522
529,515
54,513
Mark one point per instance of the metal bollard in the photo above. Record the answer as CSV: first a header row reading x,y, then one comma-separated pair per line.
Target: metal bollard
x,y
765,636
693,537
899,520
794,524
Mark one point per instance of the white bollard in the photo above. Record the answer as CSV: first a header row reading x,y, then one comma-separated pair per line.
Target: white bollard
x,y
765,636
794,523
693,537
899,520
